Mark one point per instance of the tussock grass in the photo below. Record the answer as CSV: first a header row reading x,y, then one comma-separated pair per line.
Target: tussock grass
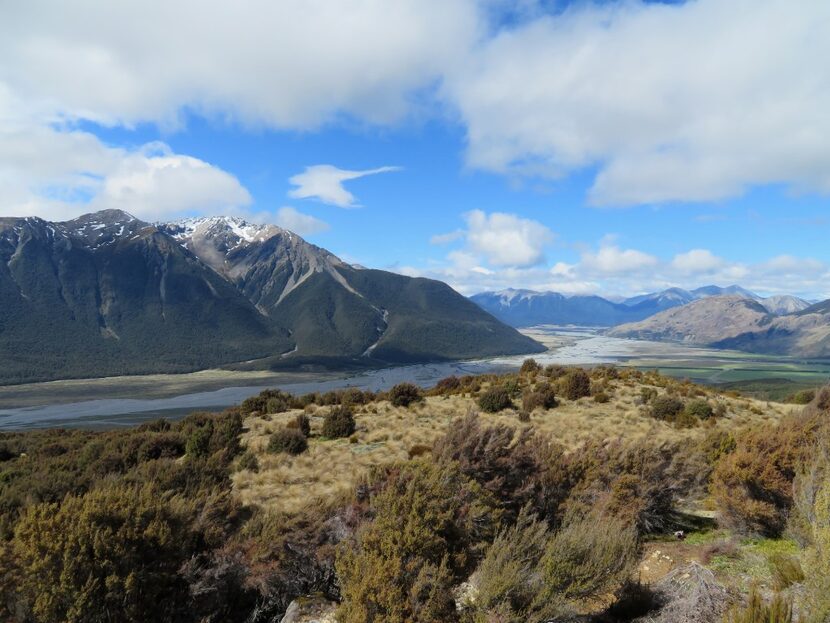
x,y
386,433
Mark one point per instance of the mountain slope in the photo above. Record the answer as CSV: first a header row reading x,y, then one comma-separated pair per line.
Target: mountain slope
x,y
739,323
109,294
700,322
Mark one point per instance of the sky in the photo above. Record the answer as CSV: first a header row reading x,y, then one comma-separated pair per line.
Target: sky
x,y
613,147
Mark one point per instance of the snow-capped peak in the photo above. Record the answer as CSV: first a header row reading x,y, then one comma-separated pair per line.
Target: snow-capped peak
x,y
243,231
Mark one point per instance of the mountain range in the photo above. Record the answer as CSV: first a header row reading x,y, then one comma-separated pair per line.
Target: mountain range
x,y
739,323
523,308
109,294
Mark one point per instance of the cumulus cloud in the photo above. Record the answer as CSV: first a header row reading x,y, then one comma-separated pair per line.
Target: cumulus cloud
x,y
688,102
303,224
697,261
156,184
610,259
58,174
506,239
288,64
324,182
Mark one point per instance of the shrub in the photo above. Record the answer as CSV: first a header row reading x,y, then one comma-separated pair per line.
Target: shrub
x,y
198,443
508,576
684,419
494,400
339,422
517,468
665,408
590,556
575,384
511,385
404,394
301,423
803,397
700,409
601,397
647,394
753,485
529,366
288,440
249,461
429,523
448,385
111,555
267,401
542,397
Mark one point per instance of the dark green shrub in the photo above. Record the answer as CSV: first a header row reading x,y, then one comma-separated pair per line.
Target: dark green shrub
x,y
288,440
803,397
700,409
339,422
198,443
575,384
267,401
249,461
404,394
665,408
494,400
512,386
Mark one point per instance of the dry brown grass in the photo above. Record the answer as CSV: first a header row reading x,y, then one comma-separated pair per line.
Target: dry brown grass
x,y
386,434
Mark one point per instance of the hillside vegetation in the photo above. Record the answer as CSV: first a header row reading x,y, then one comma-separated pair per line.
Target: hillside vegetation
x,y
548,495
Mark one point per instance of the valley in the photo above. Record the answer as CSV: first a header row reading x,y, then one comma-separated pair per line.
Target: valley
x,y
129,400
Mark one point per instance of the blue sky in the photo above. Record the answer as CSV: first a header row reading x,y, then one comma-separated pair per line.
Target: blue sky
x,y
616,148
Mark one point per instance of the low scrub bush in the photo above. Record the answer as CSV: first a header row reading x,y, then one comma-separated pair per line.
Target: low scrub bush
x,y
404,394
543,397
666,408
287,440
339,422
756,610
495,399
699,408
530,367
575,384
249,461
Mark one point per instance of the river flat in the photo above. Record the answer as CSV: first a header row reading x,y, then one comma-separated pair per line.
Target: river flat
x,y
122,401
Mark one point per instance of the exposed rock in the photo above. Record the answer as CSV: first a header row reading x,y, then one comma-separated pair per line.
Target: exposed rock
x,y
310,610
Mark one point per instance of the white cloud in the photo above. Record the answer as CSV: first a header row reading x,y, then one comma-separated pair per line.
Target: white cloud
x,y
324,182
59,174
697,261
156,184
303,224
687,102
447,238
610,259
506,239
287,64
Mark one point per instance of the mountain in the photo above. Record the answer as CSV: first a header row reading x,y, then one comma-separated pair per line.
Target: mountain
x,y
739,323
108,294
665,299
522,308
700,322
784,304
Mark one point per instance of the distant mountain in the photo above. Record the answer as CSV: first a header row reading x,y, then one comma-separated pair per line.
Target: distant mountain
x,y
522,308
718,291
740,323
108,294
700,322
784,304
665,299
